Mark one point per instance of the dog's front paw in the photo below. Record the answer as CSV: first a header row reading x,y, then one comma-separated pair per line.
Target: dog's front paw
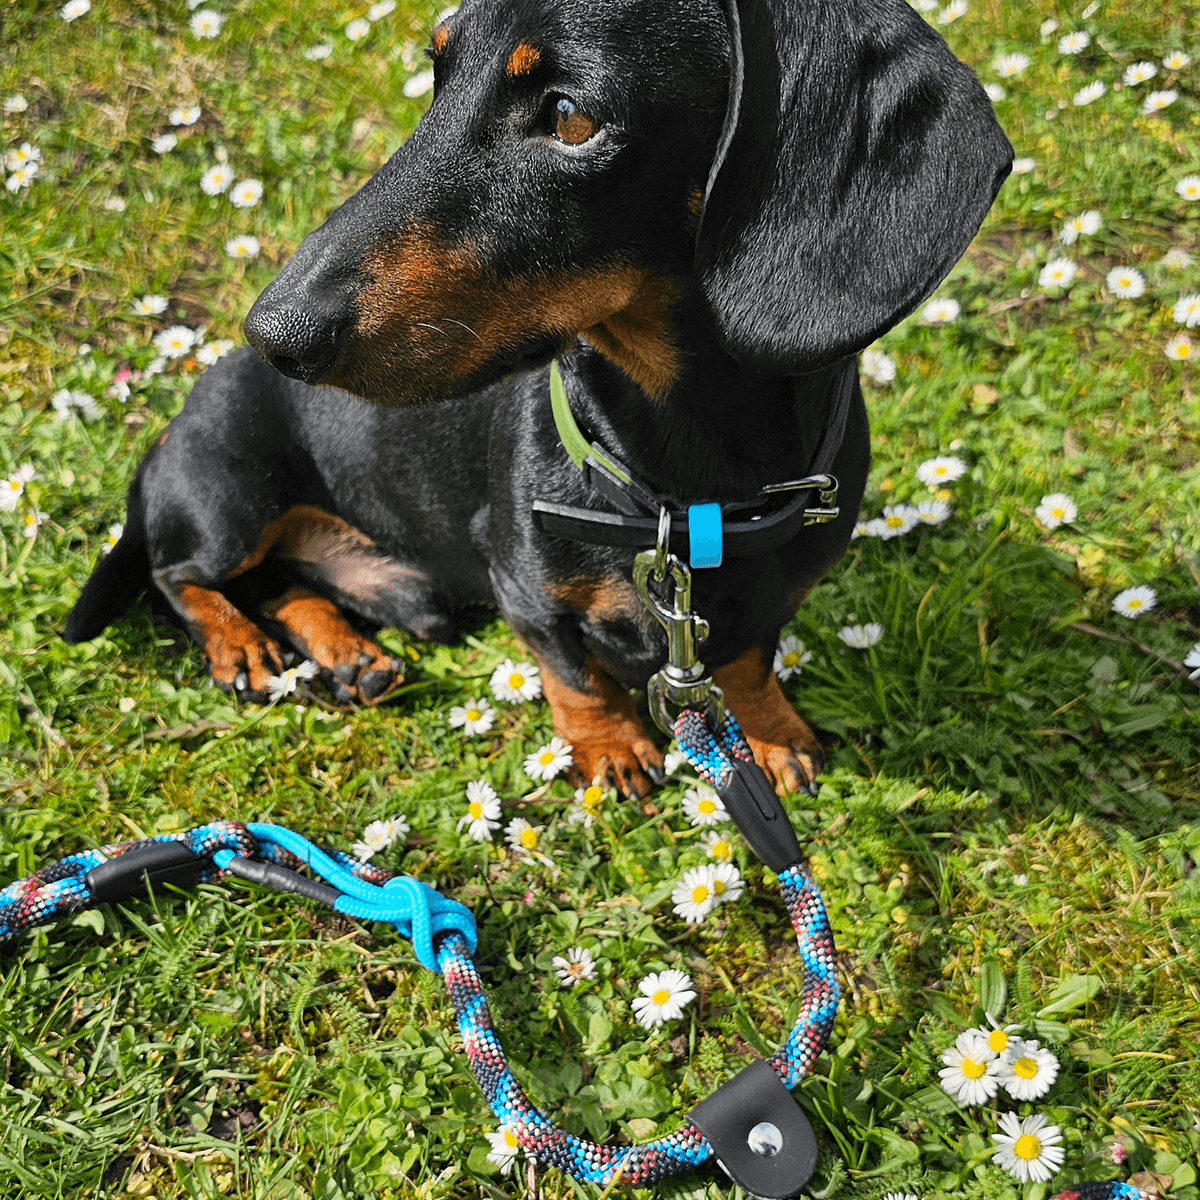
x,y
792,758
624,758
243,661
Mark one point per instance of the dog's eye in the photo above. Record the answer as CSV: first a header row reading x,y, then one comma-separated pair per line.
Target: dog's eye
x,y
571,125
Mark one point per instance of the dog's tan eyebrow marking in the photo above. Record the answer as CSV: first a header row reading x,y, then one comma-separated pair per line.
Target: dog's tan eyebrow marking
x,y
441,35
522,60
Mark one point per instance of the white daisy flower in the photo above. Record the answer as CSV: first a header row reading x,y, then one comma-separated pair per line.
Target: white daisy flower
x,y
318,52
112,538
175,341
1134,601
898,519
1126,282
1086,223
244,246
971,1073
1008,65
549,760
586,807
1093,91
164,143
379,835
1176,60
575,967
790,657
186,115
13,487
1192,659
952,11
1027,1070
483,811
943,469
15,103
1187,311
1028,1149
25,155
994,92
924,5
860,637
504,1148
357,29
1157,101
861,529
717,845
286,682
673,760
1189,187
211,351
702,806
476,716
939,312
74,8
876,527
1179,347
997,1036
664,995
1138,72
64,401
418,84
1074,43
1056,509
246,194
901,1196
114,204
381,9
878,367
21,177
515,681
525,839
933,512
693,897
1023,166
216,179
1048,26
1058,272
727,882
206,23
149,306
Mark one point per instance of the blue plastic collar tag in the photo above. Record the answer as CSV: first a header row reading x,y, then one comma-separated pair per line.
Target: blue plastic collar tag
x,y
704,535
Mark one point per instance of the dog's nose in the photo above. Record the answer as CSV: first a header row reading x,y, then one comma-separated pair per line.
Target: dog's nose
x,y
296,342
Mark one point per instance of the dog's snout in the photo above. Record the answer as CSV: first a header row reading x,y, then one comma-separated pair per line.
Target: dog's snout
x,y
295,341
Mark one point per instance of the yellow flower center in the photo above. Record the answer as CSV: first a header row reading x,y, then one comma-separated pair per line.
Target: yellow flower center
x,y
894,522
516,679
972,1069
1058,512
473,714
13,485
1025,1067
510,1140
1027,1147
661,996
998,1040
1134,602
706,807
592,796
699,894
721,850
546,757
1184,349
791,658
718,888
529,838
476,810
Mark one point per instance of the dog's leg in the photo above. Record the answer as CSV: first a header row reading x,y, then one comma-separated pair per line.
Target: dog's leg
x,y
783,744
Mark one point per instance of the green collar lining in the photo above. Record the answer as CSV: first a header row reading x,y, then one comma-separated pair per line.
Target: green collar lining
x,y
574,440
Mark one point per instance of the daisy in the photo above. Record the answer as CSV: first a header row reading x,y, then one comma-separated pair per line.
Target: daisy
x,y
994,92
1187,311
379,835
1027,1071
174,342
216,179
114,204
1139,72
549,760
952,11
997,1035
1177,60
673,760
575,967
861,529
1086,95
1157,101
703,806
358,29
246,194
944,469
164,144
938,312
1022,166
25,155
382,9
1074,43
790,657
1048,26
1125,282
483,811
693,897
15,103
898,519
1008,65
33,520
523,837
188,115
1189,187
1028,1149
1134,601
286,682
718,846
727,882
476,716
504,1148
318,52
901,1196
860,637
13,487
74,8
924,5
1056,509
1193,660
1058,272
664,995
876,527
211,351
149,306
245,246
933,512
878,367
515,682
971,1073
112,538
21,177
418,84
586,807
206,23
1179,347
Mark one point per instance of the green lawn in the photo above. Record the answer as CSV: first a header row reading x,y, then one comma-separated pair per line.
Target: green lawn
x,y
1010,820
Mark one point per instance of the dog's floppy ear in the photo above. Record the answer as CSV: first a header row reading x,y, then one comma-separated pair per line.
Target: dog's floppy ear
x,y
859,157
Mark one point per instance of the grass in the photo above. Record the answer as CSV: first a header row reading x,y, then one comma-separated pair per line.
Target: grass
x,y
1010,821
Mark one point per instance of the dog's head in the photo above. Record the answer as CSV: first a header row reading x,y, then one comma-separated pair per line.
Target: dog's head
x,y
814,169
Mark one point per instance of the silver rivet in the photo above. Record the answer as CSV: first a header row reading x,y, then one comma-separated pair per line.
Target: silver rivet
x,y
765,1139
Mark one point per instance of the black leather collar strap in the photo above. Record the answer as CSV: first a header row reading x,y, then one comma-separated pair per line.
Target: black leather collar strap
x,y
747,527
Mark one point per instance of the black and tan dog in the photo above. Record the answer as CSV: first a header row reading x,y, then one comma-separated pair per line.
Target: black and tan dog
x,y
702,208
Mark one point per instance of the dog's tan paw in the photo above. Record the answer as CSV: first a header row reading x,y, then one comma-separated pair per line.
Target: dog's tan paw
x,y
243,661
792,765
627,760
